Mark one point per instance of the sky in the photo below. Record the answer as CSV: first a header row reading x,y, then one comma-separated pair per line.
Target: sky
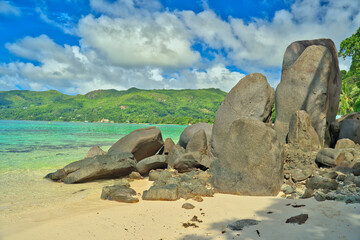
x,y
77,46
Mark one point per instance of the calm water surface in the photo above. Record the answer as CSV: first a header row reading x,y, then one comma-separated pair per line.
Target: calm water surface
x,y
39,145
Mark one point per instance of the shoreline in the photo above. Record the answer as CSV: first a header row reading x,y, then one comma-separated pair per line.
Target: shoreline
x,y
159,124
67,211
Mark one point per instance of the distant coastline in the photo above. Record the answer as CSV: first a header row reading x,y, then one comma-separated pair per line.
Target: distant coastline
x,y
180,107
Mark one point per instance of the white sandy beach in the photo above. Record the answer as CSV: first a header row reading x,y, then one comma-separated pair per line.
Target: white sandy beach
x,y
60,211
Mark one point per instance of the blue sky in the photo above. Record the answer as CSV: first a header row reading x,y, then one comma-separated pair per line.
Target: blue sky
x,y
76,46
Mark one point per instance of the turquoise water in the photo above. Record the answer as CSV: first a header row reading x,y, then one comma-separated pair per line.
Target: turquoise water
x,y
38,145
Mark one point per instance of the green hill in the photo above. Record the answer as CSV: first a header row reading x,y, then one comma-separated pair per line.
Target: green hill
x,y
133,105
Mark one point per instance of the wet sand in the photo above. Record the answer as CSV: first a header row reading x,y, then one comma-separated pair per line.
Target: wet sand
x,y
41,209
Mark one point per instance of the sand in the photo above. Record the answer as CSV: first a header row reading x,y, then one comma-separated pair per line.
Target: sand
x,y
60,211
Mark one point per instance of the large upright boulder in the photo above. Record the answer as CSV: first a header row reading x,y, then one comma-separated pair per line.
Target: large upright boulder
x,y
252,97
142,143
250,162
310,81
189,132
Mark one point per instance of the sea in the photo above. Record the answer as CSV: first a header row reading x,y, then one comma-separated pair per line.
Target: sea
x,y
31,149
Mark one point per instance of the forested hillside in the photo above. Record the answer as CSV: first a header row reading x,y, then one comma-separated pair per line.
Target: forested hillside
x,y
130,106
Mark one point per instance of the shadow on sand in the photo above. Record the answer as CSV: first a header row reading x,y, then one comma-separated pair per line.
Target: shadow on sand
x,y
327,220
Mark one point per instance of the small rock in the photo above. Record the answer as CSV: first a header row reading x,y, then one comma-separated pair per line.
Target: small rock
x,y
349,156
240,224
349,179
186,225
297,205
356,169
122,181
167,192
119,193
135,175
153,162
344,143
319,196
156,174
357,181
198,198
287,189
341,177
299,219
195,219
330,157
350,189
300,174
331,175
188,161
322,183
331,195
188,206
308,193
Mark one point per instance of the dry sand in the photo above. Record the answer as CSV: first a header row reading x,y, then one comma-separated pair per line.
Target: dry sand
x,y
69,212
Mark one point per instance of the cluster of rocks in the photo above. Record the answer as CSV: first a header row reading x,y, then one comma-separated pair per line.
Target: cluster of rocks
x,y
179,169
328,174
171,185
306,152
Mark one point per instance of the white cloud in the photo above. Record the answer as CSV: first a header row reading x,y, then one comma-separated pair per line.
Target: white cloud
x,y
7,8
126,8
217,75
160,41
260,44
77,70
65,23
133,44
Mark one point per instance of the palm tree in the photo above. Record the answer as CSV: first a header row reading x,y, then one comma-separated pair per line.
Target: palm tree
x,y
349,95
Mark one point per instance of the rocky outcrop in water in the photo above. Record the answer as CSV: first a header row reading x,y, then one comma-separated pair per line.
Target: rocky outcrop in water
x,y
98,167
142,143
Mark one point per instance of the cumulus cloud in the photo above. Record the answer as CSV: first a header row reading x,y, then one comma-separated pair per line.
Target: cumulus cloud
x,y
64,21
160,41
260,43
133,44
217,75
73,69
126,8
7,8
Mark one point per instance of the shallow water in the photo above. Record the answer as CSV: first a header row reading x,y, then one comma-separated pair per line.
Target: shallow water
x,y
36,145
31,149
